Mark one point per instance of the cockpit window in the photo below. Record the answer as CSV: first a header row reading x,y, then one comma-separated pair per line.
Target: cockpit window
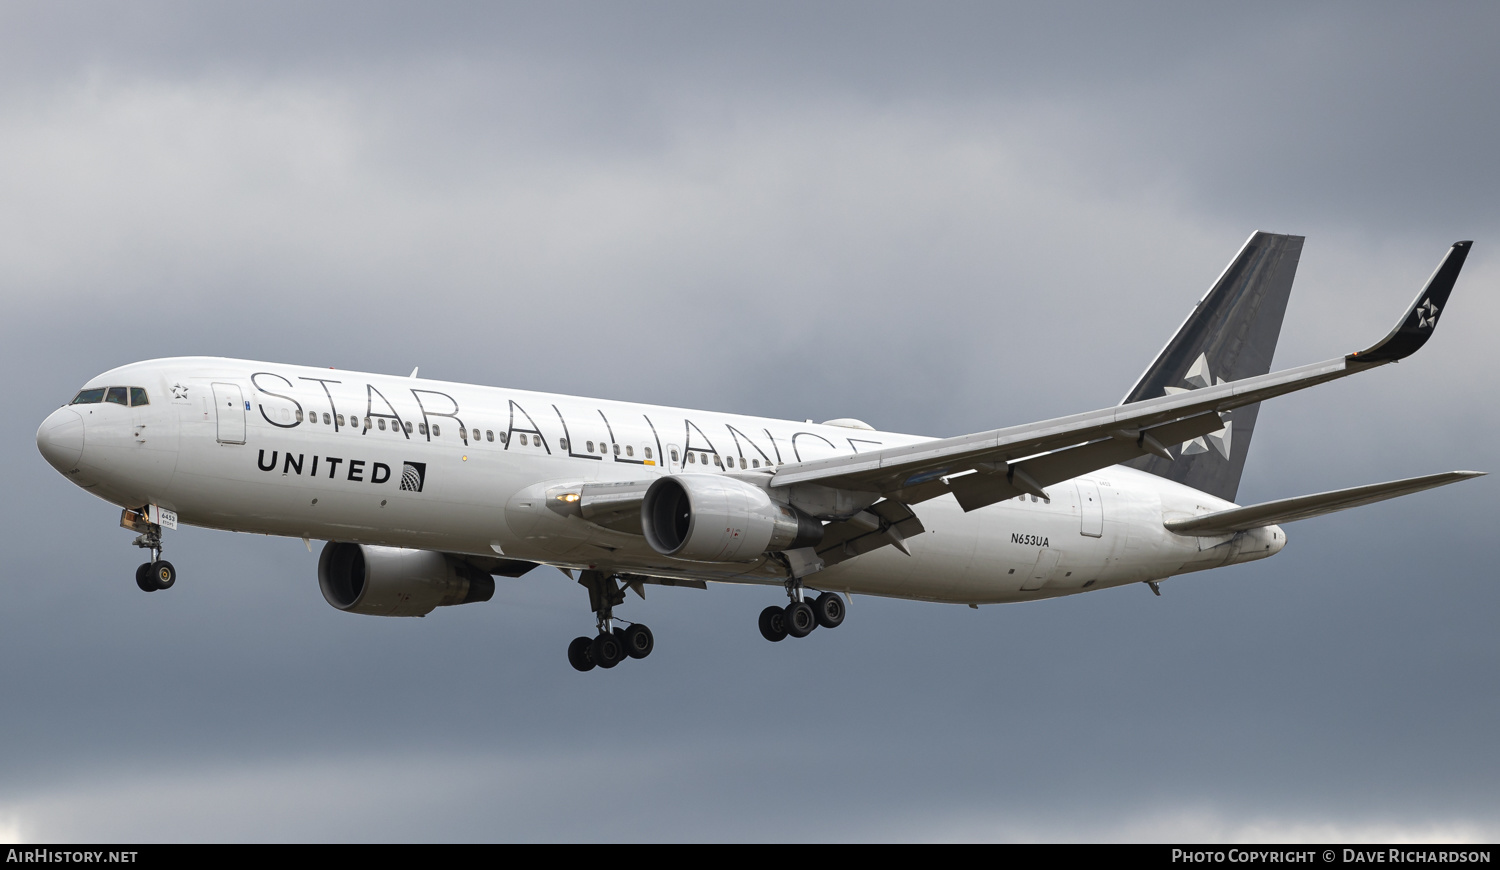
x,y
119,395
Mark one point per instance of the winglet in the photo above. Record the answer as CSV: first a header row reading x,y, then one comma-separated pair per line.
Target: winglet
x,y
1421,319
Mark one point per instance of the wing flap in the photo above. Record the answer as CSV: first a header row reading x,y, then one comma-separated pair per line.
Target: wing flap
x,y
887,523
1303,507
975,491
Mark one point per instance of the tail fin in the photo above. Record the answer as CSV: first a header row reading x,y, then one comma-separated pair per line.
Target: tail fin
x,y
1230,335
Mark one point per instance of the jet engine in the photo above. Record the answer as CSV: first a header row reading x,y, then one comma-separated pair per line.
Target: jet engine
x,y
712,518
391,581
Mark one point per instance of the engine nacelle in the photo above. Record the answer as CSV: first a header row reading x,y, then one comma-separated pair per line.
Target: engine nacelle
x,y
712,518
391,581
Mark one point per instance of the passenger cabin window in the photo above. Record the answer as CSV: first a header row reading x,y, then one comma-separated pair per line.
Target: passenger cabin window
x,y
629,450
436,431
489,435
648,452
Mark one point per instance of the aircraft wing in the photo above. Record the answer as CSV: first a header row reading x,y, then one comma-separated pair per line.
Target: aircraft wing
x,y
1007,462
1304,507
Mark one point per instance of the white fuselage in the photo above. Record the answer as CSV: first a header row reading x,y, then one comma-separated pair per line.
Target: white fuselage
x,y
244,446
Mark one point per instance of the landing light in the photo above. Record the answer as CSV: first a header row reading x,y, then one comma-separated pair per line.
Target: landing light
x,y
568,497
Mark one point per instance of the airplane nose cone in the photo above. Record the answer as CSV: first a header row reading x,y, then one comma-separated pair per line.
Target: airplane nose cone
x,y
60,439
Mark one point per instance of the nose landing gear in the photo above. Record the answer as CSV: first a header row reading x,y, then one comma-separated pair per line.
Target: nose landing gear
x,y
157,573
613,644
154,575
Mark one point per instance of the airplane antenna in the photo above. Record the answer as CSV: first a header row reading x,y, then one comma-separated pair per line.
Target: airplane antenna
x,y
413,371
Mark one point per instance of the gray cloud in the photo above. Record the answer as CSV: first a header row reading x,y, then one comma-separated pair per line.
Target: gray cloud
x,y
938,220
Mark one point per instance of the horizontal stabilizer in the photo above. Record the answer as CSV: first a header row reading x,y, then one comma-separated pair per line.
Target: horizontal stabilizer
x,y
1306,506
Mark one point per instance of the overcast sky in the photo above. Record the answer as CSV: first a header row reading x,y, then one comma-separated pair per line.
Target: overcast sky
x,y
939,218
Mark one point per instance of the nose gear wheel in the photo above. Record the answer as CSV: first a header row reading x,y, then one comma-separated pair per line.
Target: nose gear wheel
x,y
158,573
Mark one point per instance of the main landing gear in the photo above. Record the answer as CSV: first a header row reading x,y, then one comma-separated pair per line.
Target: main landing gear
x,y
799,618
157,573
613,643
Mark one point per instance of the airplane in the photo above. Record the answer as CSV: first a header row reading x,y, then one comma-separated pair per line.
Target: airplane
x,y
425,491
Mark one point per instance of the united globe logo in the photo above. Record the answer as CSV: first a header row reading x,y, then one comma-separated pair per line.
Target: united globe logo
x,y
413,475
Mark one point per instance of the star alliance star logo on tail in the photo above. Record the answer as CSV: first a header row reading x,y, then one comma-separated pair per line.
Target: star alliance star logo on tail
x,y
413,475
1427,314
1199,376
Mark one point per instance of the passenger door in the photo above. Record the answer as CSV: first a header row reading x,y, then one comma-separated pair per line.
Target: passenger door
x,y
1090,509
231,406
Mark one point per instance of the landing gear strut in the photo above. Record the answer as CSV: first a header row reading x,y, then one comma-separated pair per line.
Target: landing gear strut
x,y
799,617
613,644
157,573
